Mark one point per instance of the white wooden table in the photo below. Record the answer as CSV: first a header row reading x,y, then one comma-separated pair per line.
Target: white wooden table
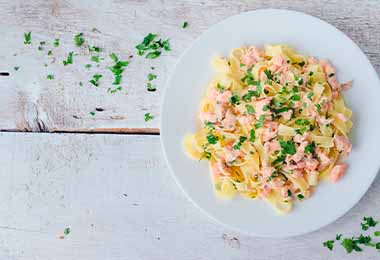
x,y
104,176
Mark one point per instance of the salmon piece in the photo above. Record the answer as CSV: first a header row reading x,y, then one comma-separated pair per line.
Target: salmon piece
x,y
272,146
337,172
276,183
251,57
323,120
266,190
207,117
231,154
287,115
324,159
300,153
260,106
311,164
224,97
267,171
301,138
270,131
330,74
342,144
229,121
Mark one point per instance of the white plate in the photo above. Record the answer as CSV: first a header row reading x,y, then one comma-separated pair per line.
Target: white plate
x,y
308,35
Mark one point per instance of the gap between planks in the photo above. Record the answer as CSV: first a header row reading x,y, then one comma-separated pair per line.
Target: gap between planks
x,y
118,131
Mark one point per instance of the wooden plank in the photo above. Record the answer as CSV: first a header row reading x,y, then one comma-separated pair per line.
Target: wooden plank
x,y
118,198
30,102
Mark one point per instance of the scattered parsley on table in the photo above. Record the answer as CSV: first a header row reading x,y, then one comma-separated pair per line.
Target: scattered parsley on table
x,y
27,38
78,39
69,59
148,117
151,47
185,24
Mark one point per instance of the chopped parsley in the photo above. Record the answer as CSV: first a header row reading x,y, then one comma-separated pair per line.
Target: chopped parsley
x,y
287,147
148,116
220,87
235,100
66,231
211,138
260,122
69,59
78,39
350,244
295,98
87,66
329,244
300,82
310,95
27,38
376,233
268,73
300,196
50,52
56,42
240,142
92,113
331,75
185,24
95,49
251,93
252,135
318,107
368,222
118,68
289,193
151,76
250,109
152,47
310,148
302,63
300,121
209,125
50,76
16,68
311,73
150,87
95,58
41,48
116,89
338,236
95,79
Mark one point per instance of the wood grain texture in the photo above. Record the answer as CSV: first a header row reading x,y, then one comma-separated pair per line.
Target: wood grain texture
x,y
29,102
117,196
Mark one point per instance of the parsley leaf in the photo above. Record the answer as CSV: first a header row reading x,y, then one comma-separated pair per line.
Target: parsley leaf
x,y
329,244
95,58
260,122
185,24
150,87
69,59
95,49
310,148
240,142
56,42
212,139
300,121
151,76
250,109
95,79
148,116
66,231
295,98
16,68
153,46
338,236
300,196
78,39
268,73
252,135
50,76
288,147
368,222
92,113
220,87
235,100
27,38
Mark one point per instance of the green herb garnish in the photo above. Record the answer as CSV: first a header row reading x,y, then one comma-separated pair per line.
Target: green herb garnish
x,y
288,147
16,68
152,46
27,38
95,58
66,231
92,113
50,76
78,39
235,100
95,79
69,59
329,244
148,116
240,142
95,49
252,135
368,222
185,24
56,42
268,73
260,122
310,148
211,138
302,122
250,109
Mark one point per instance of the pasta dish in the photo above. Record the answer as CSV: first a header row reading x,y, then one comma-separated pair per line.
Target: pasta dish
x,y
273,124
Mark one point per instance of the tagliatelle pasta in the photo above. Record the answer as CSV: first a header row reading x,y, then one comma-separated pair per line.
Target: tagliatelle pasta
x,y
274,123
